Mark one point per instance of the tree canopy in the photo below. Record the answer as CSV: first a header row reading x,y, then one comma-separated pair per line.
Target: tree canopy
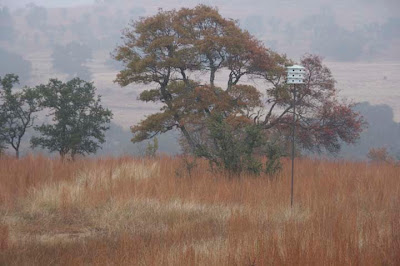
x,y
78,118
181,52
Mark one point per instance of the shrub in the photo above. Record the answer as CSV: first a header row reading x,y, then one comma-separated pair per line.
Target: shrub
x,y
379,155
151,148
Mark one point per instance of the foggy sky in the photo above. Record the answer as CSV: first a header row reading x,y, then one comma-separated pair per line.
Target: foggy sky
x,y
45,3
390,7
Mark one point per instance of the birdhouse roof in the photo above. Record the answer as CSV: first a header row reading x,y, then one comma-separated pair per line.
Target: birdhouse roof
x,y
295,67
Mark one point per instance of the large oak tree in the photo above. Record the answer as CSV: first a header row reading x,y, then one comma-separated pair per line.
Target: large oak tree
x,y
181,52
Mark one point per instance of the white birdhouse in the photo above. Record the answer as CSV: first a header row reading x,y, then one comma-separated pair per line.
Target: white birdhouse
x,y
295,74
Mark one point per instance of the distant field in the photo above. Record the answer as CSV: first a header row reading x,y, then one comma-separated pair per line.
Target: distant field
x,y
126,211
376,83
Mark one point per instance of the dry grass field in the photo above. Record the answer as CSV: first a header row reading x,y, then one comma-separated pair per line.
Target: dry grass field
x,y
126,211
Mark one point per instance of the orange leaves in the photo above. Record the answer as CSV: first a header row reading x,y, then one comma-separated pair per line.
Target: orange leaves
x,y
245,96
153,124
319,77
238,121
207,97
235,100
379,155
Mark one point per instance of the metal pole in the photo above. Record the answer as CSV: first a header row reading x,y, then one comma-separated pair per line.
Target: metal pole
x,y
293,139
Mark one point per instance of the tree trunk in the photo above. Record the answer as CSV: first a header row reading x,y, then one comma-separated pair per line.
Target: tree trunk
x,y
212,77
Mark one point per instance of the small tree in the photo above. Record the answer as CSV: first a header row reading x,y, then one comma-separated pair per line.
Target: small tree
x,y
233,145
273,153
16,111
151,148
379,155
79,120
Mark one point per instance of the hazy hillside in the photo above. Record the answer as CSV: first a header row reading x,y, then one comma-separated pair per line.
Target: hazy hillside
x,y
333,29
382,131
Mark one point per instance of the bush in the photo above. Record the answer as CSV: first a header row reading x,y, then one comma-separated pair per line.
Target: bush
x,y
379,155
238,149
273,165
151,148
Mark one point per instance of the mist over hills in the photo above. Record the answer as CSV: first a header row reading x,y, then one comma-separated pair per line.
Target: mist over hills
x,y
340,30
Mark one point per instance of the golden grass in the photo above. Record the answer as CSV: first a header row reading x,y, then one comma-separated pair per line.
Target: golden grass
x,y
126,211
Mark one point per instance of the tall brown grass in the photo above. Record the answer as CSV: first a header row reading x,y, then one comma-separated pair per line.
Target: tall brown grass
x,y
126,211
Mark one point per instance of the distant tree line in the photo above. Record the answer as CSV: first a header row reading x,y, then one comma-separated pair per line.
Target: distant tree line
x,y
71,59
327,36
7,31
14,63
99,29
382,133
78,120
